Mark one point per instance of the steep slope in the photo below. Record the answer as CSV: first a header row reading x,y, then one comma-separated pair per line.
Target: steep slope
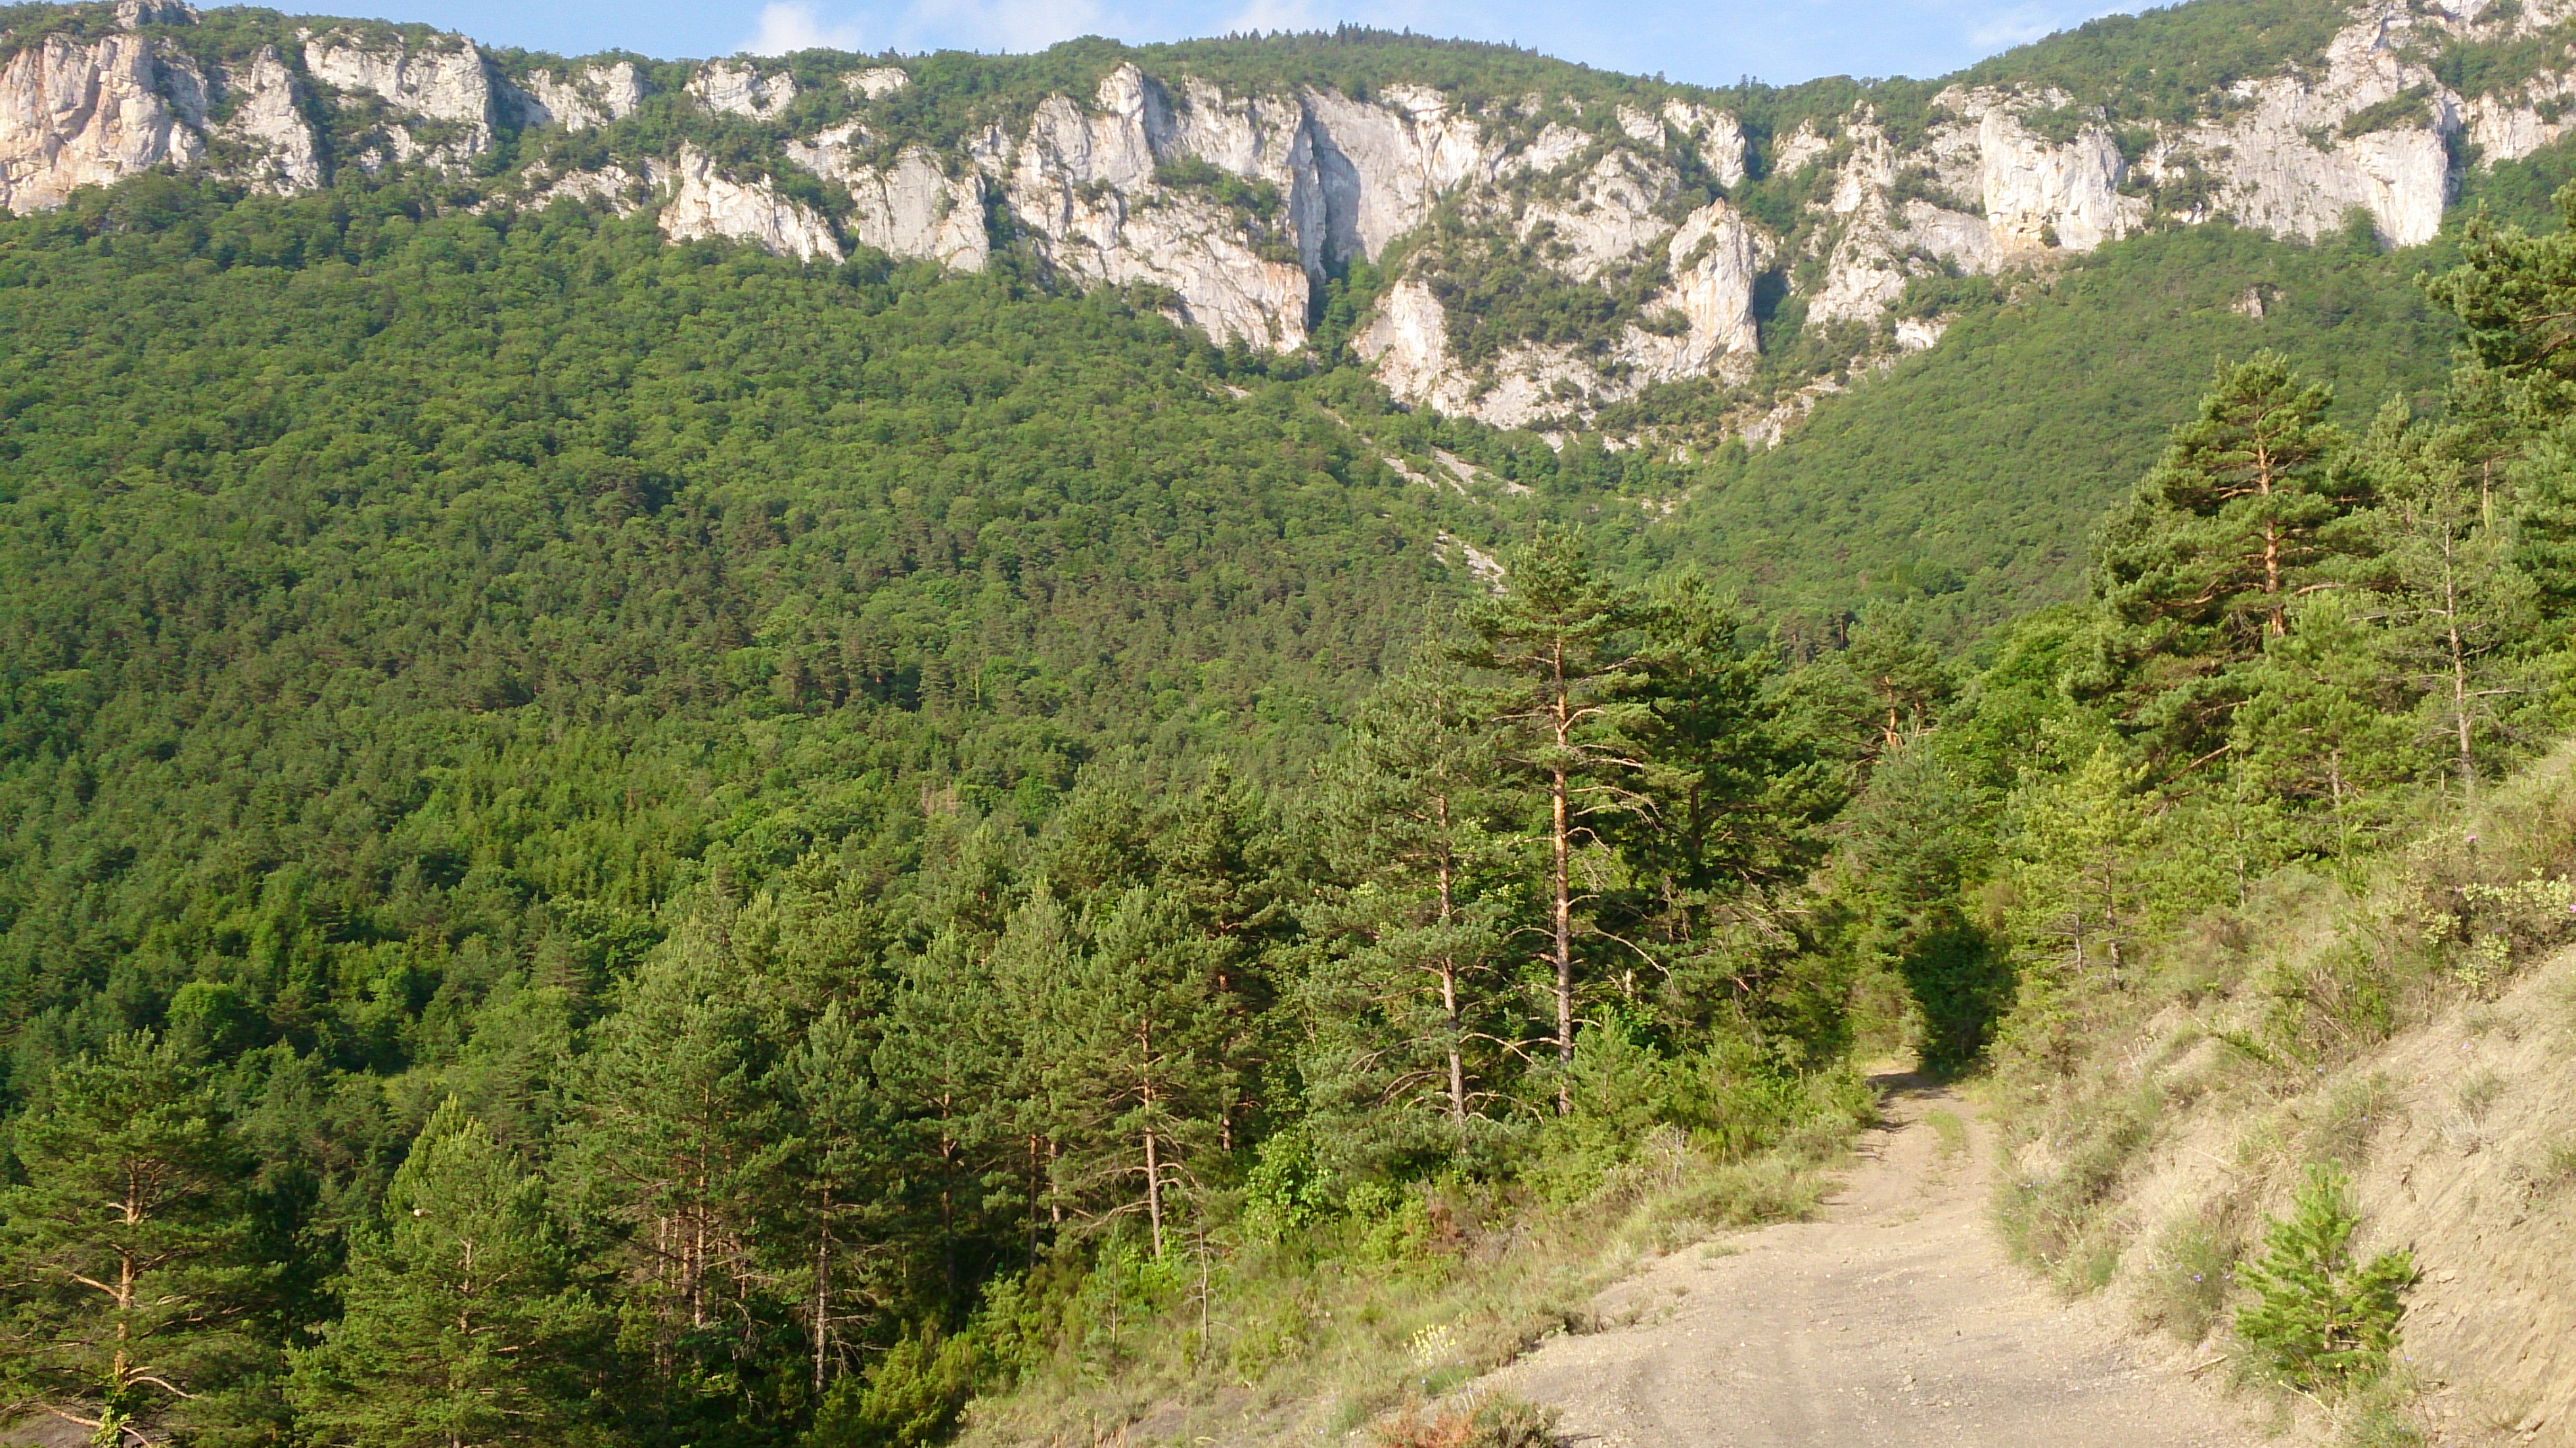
x,y
1967,480
1532,240
309,553
2409,1027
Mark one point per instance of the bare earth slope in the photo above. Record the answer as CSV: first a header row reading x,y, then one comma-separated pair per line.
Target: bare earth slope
x,y
1893,1319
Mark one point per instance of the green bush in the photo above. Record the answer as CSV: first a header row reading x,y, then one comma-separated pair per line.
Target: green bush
x,y
2322,1321
907,1398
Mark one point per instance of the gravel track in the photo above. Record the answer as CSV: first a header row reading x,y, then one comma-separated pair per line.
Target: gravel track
x,y
1893,1318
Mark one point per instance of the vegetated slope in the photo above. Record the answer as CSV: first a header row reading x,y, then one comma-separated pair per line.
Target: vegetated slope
x,y
1972,475
1513,238
353,559
2406,1022
1969,478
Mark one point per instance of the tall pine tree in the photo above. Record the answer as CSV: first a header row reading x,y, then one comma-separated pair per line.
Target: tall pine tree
x,y
126,1276
1562,646
460,1327
2234,525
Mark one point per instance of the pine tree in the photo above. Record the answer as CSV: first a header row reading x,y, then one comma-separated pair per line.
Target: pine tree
x,y
1884,686
674,1141
126,1275
2326,724
1218,851
2514,293
2459,604
2324,1320
945,1072
843,1168
1402,1003
2234,525
2078,842
1563,644
1725,792
459,1326
1132,1039
1916,839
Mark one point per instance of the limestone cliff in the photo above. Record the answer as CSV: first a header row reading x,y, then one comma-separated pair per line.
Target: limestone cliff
x,y
74,114
1236,209
446,84
594,96
705,202
909,208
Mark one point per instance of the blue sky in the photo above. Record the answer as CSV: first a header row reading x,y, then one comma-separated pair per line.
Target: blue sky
x,y
1711,42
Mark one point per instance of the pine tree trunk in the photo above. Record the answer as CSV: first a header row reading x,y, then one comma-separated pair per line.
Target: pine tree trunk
x,y
1561,884
1154,1192
822,1297
2459,665
1153,1158
1449,987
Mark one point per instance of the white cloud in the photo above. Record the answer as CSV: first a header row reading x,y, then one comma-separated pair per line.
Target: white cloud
x,y
787,26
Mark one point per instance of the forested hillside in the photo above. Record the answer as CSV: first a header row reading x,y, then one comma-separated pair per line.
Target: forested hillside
x,y
620,837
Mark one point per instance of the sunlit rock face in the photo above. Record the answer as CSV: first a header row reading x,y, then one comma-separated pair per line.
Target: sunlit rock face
x,y
76,114
737,89
583,99
911,207
1235,212
446,84
704,203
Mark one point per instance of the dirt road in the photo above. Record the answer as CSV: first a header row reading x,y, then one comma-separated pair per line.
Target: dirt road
x,y
1893,1319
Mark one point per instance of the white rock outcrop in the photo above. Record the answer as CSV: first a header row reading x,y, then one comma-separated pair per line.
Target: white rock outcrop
x,y
878,82
2285,164
579,100
1265,139
1084,187
1406,343
1611,215
737,89
622,191
705,203
911,208
135,14
2064,195
269,127
1383,165
449,83
92,113
1714,262
1715,134
1864,271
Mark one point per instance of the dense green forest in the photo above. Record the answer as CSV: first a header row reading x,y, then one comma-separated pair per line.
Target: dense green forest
x,y
613,843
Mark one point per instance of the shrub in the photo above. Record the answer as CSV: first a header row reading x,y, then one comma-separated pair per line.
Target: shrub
x,y
1494,1422
2189,1279
908,1398
2049,1216
2322,1321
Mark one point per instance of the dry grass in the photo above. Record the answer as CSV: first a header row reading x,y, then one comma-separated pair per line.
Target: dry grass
x,y
1314,1339
1491,1422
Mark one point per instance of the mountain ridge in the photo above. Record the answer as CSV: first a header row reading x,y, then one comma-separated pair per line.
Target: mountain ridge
x,y
1524,247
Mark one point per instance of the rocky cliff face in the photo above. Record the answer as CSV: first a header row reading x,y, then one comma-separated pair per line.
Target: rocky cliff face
x,y
74,114
447,84
1236,211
